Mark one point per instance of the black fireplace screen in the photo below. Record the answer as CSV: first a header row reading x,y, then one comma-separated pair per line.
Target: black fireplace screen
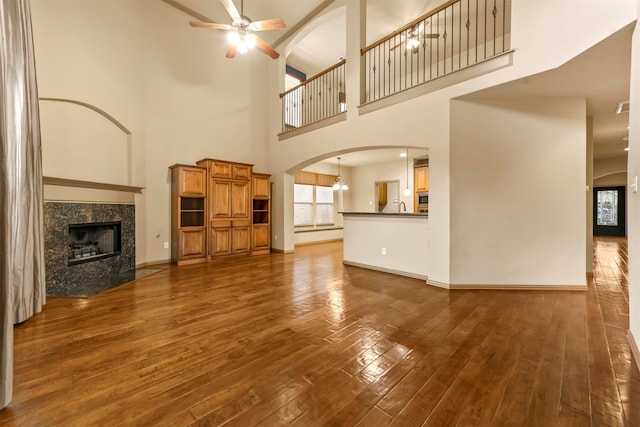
x,y
93,241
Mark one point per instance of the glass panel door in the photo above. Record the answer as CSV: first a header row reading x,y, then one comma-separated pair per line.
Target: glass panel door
x,y
607,207
609,211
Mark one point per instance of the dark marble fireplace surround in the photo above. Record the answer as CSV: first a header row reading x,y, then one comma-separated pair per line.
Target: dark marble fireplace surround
x,y
90,278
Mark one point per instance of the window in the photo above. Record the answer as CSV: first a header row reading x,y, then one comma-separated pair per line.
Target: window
x,y
313,205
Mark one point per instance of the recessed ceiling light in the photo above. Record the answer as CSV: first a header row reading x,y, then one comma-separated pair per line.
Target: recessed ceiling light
x,y
626,149
403,154
623,107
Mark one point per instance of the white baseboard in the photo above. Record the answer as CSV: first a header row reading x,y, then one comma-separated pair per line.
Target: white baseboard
x,y
315,242
385,270
522,287
282,251
508,287
152,263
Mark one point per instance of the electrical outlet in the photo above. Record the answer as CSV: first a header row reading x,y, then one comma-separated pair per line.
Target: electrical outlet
x,y
166,245
275,237
384,251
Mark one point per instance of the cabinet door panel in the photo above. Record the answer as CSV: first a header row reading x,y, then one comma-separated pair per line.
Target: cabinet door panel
x,y
241,239
192,243
220,199
220,169
193,182
422,178
241,172
261,187
261,238
240,200
220,241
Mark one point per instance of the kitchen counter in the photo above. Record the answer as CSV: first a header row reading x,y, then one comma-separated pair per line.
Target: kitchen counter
x,y
409,214
396,242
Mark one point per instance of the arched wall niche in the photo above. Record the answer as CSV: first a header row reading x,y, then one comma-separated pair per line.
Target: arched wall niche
x,y
82,142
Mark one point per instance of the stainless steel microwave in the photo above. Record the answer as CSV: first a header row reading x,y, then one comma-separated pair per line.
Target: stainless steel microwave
x,y
423,199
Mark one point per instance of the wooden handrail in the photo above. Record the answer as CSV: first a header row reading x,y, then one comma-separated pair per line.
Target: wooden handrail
x,y
409,25
310,79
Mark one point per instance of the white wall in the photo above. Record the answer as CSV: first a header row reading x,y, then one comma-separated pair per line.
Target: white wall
x,y
633,198
518,173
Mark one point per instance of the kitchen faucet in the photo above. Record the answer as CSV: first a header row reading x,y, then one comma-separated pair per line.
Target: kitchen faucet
x,y
404,207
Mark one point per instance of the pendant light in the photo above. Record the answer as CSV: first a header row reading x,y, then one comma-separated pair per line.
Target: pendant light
x,y
406,191
339,185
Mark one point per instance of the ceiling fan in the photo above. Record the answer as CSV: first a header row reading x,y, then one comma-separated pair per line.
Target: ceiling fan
x,y
241,30
413,37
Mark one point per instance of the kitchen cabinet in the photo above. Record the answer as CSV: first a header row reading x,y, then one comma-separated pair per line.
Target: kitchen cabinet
x,y
421,179
188,213
420,185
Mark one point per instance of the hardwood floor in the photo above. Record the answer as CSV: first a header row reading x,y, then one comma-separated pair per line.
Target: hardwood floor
x,y
299,339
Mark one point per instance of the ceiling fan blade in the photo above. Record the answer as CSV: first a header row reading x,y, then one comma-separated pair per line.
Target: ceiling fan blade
x,y
264,46
231,10
231,52
211,25
267,24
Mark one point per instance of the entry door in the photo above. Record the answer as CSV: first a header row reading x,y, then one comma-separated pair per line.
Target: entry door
x,y
609,211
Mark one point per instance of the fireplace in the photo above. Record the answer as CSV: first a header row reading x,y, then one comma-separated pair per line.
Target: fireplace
x,y
93,241
89,247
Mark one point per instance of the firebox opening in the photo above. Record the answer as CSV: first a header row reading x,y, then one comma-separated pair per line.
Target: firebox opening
x,y
93,241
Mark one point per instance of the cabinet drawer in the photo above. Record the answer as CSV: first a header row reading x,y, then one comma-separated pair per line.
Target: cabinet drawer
x,y
221,223
245,222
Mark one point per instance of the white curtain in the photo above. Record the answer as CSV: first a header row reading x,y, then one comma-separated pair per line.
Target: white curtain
x,y
22,283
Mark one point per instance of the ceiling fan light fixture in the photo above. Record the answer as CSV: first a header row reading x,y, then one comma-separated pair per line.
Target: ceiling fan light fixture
x,y
250,40
240,31
233,37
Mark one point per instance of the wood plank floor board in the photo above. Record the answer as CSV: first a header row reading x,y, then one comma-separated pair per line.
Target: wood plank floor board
x,y
575,381
301,339
547,384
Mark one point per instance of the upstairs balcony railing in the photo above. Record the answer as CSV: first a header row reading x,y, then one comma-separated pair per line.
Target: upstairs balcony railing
x,y
317,98
454,36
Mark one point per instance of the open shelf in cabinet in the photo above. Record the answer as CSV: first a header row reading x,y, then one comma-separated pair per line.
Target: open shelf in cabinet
x,y
192,211
260,211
